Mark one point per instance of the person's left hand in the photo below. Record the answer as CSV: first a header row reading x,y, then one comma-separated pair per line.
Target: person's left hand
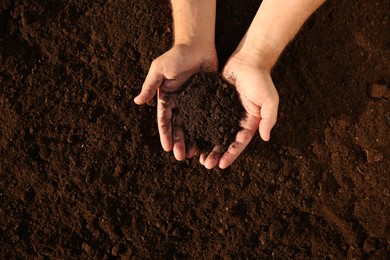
x,y
260,100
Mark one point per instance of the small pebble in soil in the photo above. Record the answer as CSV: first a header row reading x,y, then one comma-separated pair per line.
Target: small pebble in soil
x,y
87,248
369,245
378,91
373,156
210,110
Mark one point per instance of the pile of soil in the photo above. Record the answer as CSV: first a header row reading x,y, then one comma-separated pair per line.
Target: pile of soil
x,y
83,174
210,110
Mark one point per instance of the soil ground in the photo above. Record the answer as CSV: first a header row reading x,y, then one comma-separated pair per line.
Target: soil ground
x,y
82,173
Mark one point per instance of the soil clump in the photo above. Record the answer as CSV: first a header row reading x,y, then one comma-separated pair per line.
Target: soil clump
x,y
210,110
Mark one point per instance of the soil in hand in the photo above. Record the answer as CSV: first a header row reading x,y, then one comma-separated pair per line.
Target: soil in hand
x,y
210,110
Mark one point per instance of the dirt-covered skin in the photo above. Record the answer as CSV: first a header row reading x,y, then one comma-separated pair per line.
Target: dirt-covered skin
x,y
83,175
210,110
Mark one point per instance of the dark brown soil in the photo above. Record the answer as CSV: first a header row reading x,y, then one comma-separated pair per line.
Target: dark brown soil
x,y
83,175
210,110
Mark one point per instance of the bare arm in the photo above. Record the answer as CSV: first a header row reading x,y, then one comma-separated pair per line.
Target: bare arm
x,y
194,22
274,26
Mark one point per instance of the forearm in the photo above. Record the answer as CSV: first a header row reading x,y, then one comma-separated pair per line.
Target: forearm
x,y
274,26
194,22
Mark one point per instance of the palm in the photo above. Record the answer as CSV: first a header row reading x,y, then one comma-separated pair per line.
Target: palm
x,y
260,100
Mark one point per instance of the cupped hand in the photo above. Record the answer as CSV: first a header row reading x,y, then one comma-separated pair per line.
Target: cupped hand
x,y
260,100
166,75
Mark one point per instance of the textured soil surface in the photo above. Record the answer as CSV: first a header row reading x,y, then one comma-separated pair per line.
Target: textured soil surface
x,y
83,175
210,111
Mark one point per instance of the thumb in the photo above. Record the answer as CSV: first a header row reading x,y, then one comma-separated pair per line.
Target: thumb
x,y
268,112
152,83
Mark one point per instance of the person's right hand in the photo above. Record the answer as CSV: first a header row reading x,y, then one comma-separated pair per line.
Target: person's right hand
x,y
166,75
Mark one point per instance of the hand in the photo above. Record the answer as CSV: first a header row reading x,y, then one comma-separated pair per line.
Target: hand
x,y
260,100
166,75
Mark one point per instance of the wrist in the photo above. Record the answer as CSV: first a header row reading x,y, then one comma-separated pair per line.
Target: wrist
x,y
255,57
199,50
194,23
204,56
195,43
260,51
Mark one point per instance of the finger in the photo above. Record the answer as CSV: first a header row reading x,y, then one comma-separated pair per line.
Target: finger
x,y
202,158
151,84
213,158
164,120
269,113
179,148
243,138
191,151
